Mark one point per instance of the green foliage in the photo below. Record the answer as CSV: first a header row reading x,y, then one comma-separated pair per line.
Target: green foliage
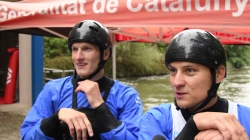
x,y
62,63
238,55
162,47
55,47
139,59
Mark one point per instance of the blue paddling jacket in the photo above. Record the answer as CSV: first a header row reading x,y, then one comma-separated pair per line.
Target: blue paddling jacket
x,y
123,102
165,120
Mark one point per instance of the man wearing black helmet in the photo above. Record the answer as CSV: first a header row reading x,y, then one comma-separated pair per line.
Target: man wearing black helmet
x,y
196,61
87,105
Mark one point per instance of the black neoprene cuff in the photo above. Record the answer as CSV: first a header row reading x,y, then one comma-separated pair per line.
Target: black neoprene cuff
x,y
106,119
49,126
189,131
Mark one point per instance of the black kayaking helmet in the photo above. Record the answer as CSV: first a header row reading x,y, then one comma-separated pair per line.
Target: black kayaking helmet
x,y
198,46
93,32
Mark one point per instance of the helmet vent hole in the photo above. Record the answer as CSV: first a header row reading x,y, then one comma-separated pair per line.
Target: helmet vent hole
x,y
93,28
97,25
80,25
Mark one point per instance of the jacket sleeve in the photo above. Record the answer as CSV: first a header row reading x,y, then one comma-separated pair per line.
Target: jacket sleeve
x,y
155,122
42,109
189,131
243,117
130,110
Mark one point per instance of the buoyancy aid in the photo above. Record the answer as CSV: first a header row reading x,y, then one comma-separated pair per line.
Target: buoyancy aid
x,y
179,121
90,113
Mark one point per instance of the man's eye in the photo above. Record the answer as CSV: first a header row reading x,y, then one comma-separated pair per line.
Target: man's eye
x,y
74,49
190,70
172,70
87,48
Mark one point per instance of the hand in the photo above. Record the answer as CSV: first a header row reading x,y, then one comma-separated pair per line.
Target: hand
x,y
226,123
76,121
93,94
210,134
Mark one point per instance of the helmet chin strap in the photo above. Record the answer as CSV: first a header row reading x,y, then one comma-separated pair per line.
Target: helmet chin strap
x,y
211,93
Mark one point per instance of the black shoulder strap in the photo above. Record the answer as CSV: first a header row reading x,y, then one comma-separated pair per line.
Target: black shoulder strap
x,y
106,93
225,105
74,99
105,96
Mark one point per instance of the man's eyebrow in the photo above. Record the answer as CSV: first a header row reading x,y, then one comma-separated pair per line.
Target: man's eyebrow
x,y
185,66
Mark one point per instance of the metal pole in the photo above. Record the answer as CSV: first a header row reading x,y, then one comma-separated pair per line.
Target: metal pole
x,y
63,73
114,61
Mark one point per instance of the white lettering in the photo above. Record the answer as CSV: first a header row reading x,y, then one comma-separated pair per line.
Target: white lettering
x,y
163,6
12,14
189,7
43,11
241,7
56,7
4,14
63,9
23,13
51,9
227,4
198,6
151,6
111,6
216,5
9,76
178,4
72,8
82,11
101,8
237,7
129,5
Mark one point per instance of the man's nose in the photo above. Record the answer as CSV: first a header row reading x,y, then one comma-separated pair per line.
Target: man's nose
x,y
178,80
79,54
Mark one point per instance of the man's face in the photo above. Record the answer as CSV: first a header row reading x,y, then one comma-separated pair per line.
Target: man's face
x,y
190,83
85,57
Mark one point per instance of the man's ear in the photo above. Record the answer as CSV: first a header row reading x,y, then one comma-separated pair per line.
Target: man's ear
x,y
106,54
220,73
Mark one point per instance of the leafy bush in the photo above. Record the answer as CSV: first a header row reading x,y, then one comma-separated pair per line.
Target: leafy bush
x,y
139,59
62,63
238,55
55,47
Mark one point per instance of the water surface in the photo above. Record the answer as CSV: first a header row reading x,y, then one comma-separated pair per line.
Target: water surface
x,y
155,90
